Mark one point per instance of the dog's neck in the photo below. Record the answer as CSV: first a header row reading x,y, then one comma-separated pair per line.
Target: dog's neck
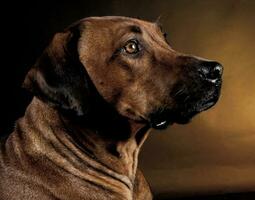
x,y
112,148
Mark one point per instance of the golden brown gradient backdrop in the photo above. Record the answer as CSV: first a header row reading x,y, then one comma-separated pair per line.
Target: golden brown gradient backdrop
x,y
216,152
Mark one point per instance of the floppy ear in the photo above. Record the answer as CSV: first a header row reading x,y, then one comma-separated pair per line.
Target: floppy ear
x,y
58,77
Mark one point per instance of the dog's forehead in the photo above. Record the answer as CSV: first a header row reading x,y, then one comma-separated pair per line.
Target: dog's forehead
x,y
101,33
116,23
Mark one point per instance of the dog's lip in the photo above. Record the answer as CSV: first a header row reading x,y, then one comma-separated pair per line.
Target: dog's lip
x,y
164,119
208,103
163,124
185,117
206,106
160,120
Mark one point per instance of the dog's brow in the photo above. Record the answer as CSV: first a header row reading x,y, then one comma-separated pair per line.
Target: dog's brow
x,y
135,29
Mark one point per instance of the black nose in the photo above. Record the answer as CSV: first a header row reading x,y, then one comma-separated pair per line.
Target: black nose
x,y
210,71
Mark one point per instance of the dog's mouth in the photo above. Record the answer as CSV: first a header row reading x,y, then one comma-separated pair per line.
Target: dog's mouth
x,y
181,115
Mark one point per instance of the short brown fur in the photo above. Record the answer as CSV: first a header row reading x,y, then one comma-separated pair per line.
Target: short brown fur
x,y
82,132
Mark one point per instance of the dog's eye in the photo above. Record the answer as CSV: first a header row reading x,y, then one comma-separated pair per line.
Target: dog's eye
x,y
131,47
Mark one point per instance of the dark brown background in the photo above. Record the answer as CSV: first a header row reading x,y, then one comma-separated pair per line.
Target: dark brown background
x,y
216,152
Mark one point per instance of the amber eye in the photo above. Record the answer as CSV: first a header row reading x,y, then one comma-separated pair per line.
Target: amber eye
x,y
131,47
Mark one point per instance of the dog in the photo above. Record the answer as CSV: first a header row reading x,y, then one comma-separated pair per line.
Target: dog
x,y
99,88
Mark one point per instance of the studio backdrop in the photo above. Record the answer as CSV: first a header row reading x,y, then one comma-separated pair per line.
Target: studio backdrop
x,y
212,154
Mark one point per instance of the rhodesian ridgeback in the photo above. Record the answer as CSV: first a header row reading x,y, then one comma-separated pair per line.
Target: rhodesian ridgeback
x,y
99,87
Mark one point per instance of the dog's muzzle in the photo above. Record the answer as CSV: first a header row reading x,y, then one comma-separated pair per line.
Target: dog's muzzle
x,y
197,92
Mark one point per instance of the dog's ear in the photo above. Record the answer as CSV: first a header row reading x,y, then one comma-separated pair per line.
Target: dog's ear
x,y
58,77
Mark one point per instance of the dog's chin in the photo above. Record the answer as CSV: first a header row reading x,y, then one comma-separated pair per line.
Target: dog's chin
x,y
185,117
161,120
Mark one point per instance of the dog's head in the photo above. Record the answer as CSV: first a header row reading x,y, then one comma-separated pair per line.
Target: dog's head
x,y
132,67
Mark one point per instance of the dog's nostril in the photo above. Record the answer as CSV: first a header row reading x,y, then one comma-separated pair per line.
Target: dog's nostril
x,y
216,72
211,71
